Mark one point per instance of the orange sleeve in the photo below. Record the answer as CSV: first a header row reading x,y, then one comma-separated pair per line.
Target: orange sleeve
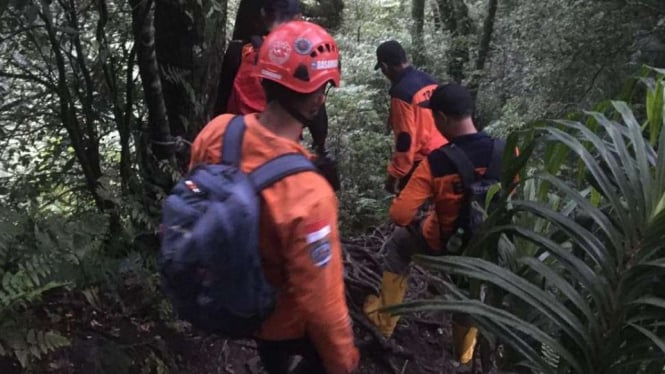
x,y
206,147
413,196
197,152
402,121
313,262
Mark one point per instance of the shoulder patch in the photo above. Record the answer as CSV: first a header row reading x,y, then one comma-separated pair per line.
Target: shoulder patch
x,y
317,238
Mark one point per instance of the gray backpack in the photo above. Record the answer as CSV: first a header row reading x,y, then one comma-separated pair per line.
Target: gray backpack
x,y
476,187
210,263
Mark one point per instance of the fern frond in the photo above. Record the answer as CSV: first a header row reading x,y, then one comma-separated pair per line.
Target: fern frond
x,y
25,344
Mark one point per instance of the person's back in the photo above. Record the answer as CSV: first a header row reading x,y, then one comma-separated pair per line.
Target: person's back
x,y
408,91
247,94
438,175
412,126
299,239
445,185
436,179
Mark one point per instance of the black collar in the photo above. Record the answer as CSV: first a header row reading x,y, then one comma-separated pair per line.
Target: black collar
x,y
401,76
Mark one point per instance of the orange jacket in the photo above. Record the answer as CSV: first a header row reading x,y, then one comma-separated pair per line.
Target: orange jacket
x,y
247,95
415,133
436,178
299,244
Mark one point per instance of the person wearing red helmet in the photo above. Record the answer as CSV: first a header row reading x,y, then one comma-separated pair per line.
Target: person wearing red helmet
x,y
247,96
299,237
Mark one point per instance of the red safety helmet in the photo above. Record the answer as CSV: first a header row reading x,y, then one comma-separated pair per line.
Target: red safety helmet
x,y
300,56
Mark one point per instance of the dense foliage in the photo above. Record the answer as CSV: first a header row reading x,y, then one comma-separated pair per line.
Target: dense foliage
x,y
99,99
576,286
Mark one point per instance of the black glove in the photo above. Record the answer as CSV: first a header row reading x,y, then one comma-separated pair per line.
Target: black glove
x,y
327,166
391,184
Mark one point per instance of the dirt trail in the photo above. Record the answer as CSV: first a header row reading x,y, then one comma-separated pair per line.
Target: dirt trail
x,y
129,341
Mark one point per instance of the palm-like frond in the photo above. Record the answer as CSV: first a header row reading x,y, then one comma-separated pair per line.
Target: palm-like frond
x,y
594,285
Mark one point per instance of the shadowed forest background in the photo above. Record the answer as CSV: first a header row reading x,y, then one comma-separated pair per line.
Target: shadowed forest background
x,y
100,99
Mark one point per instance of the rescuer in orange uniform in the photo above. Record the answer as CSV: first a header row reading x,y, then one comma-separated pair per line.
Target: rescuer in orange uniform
x,y
435,179
247,95
299,238
412,126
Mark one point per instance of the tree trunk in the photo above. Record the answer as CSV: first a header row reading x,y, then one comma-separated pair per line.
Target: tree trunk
x,y
144,36
176,34
484,47
189,39
418,19
486,38
124,126
447,14
154,147
82,142
248,20
438,19
458,54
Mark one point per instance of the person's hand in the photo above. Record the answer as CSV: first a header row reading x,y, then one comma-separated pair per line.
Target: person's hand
x,y
327,166
391,184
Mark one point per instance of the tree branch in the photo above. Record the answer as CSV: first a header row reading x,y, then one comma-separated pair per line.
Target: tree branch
x,y
29,78
93,141
67,109
19,31
652,8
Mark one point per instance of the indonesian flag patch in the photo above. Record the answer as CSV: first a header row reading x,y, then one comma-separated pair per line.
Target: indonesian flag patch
x,y
318,242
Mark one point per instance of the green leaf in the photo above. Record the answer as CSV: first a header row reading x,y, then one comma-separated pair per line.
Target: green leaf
x,y
651,301
640,149
655,109
587,241
567,291
492,315
660,343
596,214
524,347
660,165
544,302
603,182
22,357
34,351
583,274
493,190
30,337
55,340
555,156
660,71
626,167
512,164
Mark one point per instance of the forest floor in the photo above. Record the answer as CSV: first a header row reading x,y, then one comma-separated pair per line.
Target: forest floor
x,y
107,341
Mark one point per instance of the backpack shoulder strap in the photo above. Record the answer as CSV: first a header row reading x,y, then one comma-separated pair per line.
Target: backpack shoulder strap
x,y
462,164
494,167
232,141
256,41
278,168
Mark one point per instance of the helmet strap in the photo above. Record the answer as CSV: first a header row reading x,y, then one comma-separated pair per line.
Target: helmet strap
x,y
293,112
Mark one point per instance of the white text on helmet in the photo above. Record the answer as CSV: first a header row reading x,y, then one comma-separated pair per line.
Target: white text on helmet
x,y
270,74
324,64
